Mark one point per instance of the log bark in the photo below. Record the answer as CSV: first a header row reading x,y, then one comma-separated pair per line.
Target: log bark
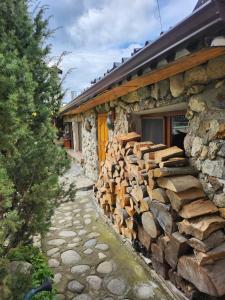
x,y
144,237
163,155
157,252
174,162
164,172
213,240
211,256
208,279
179,183
178,200
161,268
160,195
129,137
201,227
176,247
198,208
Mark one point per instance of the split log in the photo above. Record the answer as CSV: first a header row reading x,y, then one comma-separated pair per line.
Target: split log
x,y
186,287
211,256
139,193
130,210
212,241
131,136
150,224
145,204
144,237
157,252
179,183
208,279
124,200
122,213
147,149
198,208
201,227
174,162
152,183
165,154
162,213
178,200
160,195
161,268
164,172
222,212
176,247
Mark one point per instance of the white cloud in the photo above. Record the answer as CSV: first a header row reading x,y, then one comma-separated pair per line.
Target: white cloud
x,y
115,23
101,32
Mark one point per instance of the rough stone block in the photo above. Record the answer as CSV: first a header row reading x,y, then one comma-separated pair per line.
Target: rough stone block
x,y
197,104
188,140
213,149
216,68
219,200
222,151
197,146
213,167
196,75
177,85
195,89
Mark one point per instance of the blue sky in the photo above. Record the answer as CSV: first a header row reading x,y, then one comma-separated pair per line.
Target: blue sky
x,y
99,32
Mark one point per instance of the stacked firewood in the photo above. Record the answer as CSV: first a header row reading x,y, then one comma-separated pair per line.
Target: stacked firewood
x,y
152,196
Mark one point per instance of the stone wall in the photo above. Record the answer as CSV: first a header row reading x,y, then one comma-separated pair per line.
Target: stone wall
x,y
202,90
89,144
205,142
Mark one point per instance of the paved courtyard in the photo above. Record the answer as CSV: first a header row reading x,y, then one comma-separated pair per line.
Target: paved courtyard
x,y
88,259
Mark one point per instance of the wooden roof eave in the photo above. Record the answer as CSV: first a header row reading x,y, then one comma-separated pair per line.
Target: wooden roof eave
x,y
178,66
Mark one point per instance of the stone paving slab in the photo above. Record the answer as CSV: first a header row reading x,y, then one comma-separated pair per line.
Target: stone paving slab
x,y
88,259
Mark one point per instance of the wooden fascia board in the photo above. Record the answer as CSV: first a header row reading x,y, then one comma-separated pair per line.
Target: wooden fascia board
x,y
176,67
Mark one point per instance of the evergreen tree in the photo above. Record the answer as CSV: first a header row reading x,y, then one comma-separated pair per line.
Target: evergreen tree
x,y
30,96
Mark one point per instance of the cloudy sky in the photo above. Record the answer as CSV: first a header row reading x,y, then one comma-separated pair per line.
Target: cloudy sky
x,y
99,32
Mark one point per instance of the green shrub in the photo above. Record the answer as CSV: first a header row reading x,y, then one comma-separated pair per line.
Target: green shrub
x,y
19,284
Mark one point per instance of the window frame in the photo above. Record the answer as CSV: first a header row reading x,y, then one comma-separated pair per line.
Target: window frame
x,y
167,123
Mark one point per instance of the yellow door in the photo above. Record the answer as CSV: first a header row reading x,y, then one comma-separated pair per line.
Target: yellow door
x,y
103,136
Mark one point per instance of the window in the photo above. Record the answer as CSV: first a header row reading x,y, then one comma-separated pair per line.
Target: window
x,y
153,130
169,128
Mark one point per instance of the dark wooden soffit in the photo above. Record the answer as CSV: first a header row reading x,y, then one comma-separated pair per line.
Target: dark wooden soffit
x,y
176,67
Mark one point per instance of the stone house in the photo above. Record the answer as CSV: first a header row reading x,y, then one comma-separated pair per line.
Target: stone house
x,y
171,91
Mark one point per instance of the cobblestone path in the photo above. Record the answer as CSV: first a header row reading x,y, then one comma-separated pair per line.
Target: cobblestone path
x,y
89,260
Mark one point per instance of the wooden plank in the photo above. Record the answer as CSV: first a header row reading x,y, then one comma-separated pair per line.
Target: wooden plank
x,y
198,208
201,227
176,67
213,240
178,200
179,183
208,279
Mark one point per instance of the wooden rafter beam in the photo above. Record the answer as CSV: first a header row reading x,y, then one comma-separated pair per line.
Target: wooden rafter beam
x,y
176,67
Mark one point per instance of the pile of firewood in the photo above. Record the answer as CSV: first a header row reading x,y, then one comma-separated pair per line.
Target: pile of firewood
x,y
153,198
